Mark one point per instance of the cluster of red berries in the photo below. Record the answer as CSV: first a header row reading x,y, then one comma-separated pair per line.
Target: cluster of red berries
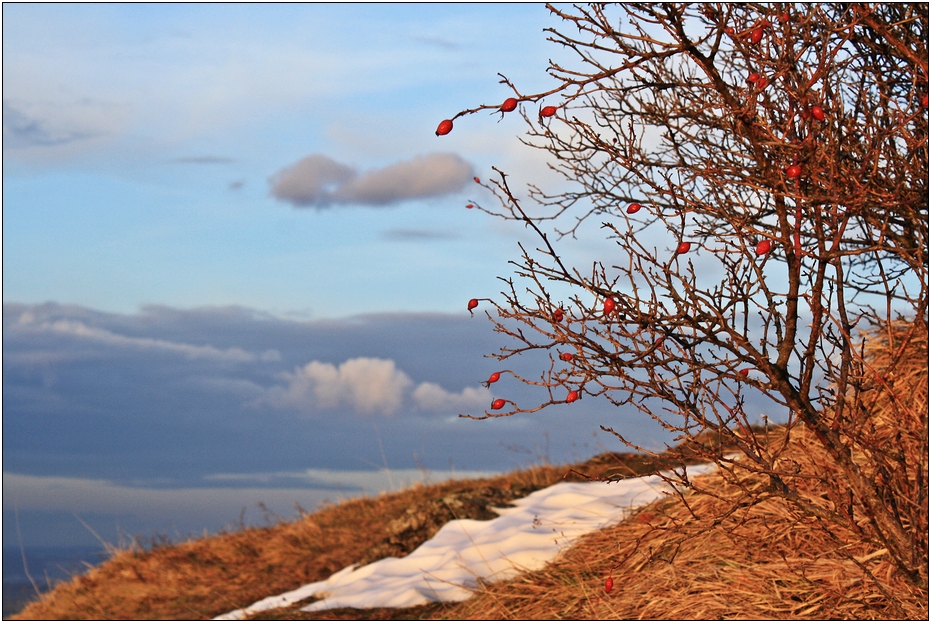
x,y
509,105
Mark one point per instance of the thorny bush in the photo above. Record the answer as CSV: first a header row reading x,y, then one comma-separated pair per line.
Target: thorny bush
x,y
788,145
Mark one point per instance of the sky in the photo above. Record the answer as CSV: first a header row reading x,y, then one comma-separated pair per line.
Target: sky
x,y
236,260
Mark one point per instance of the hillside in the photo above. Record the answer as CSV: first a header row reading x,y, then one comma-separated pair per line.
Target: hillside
x,y
708,554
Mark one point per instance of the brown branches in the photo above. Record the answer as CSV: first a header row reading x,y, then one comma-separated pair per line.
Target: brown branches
x,y
732,126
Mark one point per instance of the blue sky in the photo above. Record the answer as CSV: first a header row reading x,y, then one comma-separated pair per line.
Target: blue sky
x,y
171,309
140,141
236,259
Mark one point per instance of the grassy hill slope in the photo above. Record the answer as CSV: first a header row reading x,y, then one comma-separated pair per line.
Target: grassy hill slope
x,y
707,554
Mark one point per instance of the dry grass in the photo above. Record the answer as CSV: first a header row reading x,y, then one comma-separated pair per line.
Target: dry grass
x,y
710,554
205,577
679,559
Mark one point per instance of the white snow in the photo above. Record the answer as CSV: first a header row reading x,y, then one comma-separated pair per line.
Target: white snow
x,y
445,568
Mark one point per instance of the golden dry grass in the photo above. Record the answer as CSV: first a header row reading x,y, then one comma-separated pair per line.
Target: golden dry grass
x,y
679,559
710,554
205,577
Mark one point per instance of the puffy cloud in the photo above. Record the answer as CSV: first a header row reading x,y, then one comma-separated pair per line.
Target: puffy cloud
x,y
366,384
310,181
432,397
318,181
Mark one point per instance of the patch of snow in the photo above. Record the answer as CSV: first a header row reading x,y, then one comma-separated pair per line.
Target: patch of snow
x,y
447,567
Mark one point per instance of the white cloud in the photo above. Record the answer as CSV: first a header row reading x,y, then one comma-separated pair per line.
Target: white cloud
x,y
319,181
74,328
432,397
367,385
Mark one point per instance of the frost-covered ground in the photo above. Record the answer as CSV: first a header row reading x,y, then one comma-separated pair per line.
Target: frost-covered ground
x,y
445,568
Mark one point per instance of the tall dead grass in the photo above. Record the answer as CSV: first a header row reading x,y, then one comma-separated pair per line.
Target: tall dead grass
x,y
706,556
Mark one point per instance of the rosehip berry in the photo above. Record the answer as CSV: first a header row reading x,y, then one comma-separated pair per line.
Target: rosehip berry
x,y
548,111
558,315
756,35
794,171
633,208
753,78
609,584
566,356
683,247
509,105
924,100
609,305
744,372
497,404
763,247
477,181
493,378
469,206
784,17
445,127
730,30
573,396
817,112
473,303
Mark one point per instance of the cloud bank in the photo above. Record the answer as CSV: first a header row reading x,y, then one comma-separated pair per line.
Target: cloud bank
x,y
318,181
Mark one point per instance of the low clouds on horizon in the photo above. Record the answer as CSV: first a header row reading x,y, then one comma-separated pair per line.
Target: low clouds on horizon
x,y
318,181
143,403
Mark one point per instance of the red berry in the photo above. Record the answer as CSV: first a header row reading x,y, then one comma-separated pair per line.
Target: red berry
x,y
558,315
633,208
609,584
470,206
730,30
445,127
794,171
493,378
744,372
497,404
573,396
683,247
756,35
763,247
924,100
609,305
784,17
473,303
566,356
753,78
548,111
477,181
817,112
509,105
